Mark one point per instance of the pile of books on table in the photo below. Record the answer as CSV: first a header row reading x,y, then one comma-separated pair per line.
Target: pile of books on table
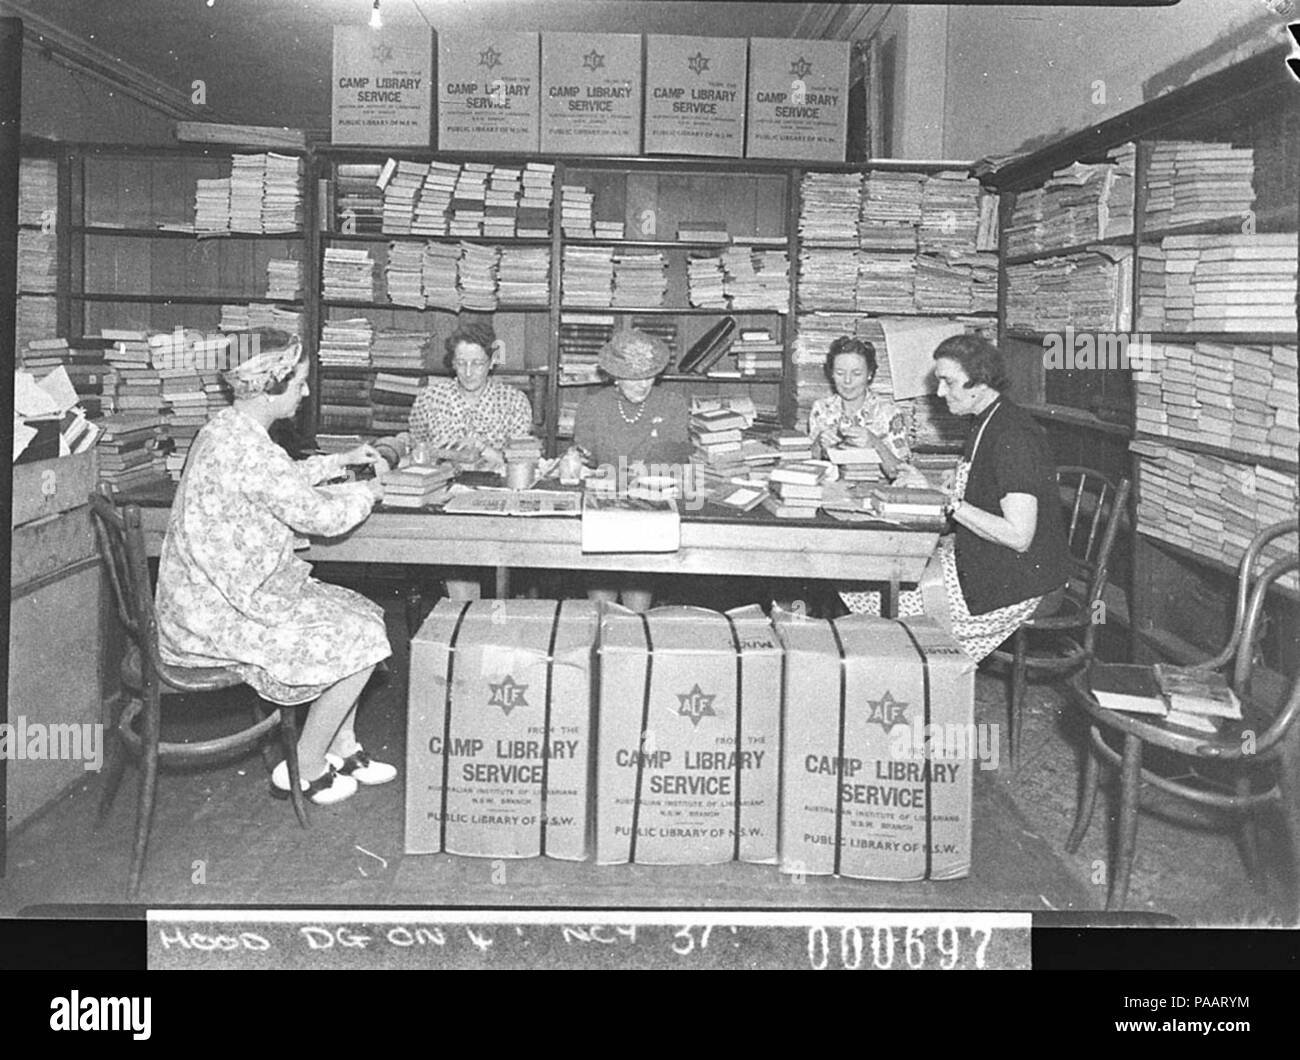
x,y
416,486
797,488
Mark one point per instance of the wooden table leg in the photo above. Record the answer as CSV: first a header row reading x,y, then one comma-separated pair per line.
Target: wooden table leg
x,y
889,599
1129,801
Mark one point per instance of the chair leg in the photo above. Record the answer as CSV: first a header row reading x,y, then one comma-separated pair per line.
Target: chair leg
x,y
1087,800
1288,768
1248,836
264,746
117,752
152,723
289,731
1016,716
1129,799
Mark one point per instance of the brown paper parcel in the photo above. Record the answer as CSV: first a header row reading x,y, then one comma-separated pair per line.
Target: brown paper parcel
x,y
501,706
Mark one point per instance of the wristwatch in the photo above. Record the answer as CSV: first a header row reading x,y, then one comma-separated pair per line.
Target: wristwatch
x,y
950,509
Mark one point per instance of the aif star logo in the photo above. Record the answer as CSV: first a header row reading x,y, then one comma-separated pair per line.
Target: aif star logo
x,y
698,63
382,53
800,68
886,711
507,695
696,705
490,58
593,60
1294,61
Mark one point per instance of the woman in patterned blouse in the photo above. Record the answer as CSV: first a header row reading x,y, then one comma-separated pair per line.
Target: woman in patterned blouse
x,y
231,592
471,410
855,416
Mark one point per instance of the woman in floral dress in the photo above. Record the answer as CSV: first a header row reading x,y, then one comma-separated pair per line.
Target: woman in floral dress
x,y
855,415
232,593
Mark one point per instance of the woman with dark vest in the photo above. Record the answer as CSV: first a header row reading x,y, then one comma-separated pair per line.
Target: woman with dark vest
x,y
1008,549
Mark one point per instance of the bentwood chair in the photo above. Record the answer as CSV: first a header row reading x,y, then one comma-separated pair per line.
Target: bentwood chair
x,y
146,679
1249,767
1059,636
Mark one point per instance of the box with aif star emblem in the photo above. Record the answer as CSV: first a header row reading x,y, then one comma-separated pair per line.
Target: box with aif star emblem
x,y
880,749
688,739
498,738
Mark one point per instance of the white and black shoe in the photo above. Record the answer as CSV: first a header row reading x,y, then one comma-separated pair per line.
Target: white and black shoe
x,y
325,790
360,767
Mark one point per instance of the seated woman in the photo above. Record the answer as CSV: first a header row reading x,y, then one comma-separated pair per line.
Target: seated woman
x,y
1008,549
854,415
472,411
231,593
633,422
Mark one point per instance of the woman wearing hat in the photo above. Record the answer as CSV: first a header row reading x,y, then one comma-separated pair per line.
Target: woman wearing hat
x,y
231,593
633,422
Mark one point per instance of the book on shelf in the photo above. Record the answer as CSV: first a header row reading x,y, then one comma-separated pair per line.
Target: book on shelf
x,y
243,135
709,348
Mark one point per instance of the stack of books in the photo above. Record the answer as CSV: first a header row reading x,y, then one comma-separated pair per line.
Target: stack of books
x,y
139,387
640,278
950,212
438,271
501,202
126,450
758,352
345,404
608,229
828,279
469,200
1189,182
346,343
401,182
717,436
236,317
404,274
38,191
84,362
534,215
416,486
901,504
793,446
433,202
886,282
407,350
581,337
348,275
476,276
1182,696
575,211
1209,505
1225,283
524,276
856,463
37,260
212,205
588,276
757,279
1242,398
1086,291
706,281
891,209
284,279
182,390
525,448
703,232
358,199
831,205
797,488
1079,203
391,398
281,205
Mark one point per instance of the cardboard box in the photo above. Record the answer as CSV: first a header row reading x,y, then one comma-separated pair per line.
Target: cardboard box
x,y
798,99
682,689
501,705
695,96
591,93
382,88
489,91
862,793
47,487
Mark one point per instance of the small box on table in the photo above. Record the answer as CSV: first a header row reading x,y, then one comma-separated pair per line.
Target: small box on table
x,y
689,737
879,747
501,710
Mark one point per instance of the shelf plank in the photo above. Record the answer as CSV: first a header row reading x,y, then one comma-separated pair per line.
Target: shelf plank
x,y
337,303
135,232
1078,418
178,299
1213,562
667,311
400,237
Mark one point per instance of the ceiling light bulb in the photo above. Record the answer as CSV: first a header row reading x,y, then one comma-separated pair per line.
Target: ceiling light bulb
x,y
375,21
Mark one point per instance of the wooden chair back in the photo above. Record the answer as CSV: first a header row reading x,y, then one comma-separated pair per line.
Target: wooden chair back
x,y
1095,507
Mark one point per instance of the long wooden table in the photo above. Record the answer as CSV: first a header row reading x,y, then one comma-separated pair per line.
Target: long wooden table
x,y
724,544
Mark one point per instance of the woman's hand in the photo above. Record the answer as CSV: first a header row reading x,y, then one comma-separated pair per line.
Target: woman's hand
x,y
495,459
375,486
365,454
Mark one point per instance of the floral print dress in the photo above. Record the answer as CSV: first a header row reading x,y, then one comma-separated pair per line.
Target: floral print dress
x,y
878,415
232,593
442,417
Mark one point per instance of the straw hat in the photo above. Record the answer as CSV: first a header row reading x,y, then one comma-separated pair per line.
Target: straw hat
x,y
633,354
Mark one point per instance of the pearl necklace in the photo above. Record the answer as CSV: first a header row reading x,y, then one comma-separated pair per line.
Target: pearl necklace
x,y
640,410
